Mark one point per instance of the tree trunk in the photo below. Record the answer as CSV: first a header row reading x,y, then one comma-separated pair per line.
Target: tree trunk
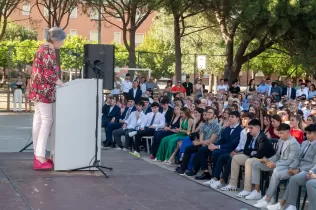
x,y
132,46
4,74
177,42
229,61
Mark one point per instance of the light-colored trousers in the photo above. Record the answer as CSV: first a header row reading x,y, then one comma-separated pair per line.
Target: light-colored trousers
x,y
42,125
279,173
17,98
311,192
291,191
242,160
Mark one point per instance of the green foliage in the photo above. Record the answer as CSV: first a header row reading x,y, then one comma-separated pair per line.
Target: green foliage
x,y
121,56
18,32
26,50
75,44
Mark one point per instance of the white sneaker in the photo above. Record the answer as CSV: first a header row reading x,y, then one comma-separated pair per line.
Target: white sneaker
x,y
229,188
136,154
124,149
208,183
262,204
291,207
254,195
156,160
275,207
216,185
243,194
131,134
262,199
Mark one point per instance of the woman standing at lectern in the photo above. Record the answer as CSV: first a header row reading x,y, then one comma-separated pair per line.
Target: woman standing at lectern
x,y
44,79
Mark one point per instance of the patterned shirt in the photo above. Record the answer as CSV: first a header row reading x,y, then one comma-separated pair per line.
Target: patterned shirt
x,y
44,76
210,128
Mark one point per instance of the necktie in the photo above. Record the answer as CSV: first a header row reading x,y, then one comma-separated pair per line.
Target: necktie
x,y
250,145
288,92
152,121
281,148
128,113
306,150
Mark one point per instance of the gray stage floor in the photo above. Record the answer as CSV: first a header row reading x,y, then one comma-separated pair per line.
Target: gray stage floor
x,y
134,184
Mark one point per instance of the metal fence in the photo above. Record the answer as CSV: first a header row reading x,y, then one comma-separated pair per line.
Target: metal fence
x,y
17,60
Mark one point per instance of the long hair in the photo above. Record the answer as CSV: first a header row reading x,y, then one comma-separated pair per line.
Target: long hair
x,y
299,120
187,112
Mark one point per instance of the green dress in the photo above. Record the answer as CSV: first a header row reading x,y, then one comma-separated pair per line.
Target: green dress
x,y
169,143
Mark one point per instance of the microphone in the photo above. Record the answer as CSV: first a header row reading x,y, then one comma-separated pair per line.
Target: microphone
x,y
73,53
97,62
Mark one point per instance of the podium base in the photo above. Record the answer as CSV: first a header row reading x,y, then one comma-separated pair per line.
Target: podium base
x,y
96,165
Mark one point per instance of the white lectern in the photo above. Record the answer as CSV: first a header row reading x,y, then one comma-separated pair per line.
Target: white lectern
x,y
73,132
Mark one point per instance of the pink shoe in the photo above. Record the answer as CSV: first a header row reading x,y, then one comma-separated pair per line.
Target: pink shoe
x,y
152,157
50,161
38,166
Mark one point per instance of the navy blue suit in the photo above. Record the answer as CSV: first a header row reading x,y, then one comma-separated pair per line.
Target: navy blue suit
x,y
107,115
293,92
137,96
116,125
228,143
148,110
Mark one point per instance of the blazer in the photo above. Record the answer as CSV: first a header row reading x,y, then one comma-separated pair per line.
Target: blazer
x,y
107,115
263,147
228,142
309,160
168,115
148,110
137,96
291,149
293,92
123,115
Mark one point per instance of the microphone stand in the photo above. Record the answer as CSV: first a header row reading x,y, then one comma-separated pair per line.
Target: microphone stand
x,y
96,162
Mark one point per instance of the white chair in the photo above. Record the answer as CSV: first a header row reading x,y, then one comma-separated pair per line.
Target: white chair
x,y
147,138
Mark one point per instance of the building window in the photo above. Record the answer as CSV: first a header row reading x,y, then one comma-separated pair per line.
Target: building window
x,y
72,32
139,39
26,8
45,33
94,14
74,13
117,37
93,36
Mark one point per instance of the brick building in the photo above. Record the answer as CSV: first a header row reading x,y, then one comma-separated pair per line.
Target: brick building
x,y
80,23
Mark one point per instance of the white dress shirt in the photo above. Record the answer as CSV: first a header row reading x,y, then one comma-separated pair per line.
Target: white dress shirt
x,y
221,88
132,122
159,121
134,92
300,92
126,86
243,139
143,88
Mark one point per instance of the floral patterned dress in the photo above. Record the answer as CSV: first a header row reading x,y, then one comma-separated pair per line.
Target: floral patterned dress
x,y
44,76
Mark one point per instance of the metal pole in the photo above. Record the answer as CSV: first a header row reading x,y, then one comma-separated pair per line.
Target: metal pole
x,y
76,63
99,22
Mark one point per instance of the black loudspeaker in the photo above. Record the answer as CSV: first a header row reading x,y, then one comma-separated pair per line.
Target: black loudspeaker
x,y
104,54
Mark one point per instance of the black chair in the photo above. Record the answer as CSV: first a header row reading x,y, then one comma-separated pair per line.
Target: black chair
x,y
284,182
298,201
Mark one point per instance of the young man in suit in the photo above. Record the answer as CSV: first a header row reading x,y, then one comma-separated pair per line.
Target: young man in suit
x,y
188,86
289,91
225,160
155,120
135,93
110,113
256,147
116,124
132,123
228,142
301,171
167,111
288,151
146,108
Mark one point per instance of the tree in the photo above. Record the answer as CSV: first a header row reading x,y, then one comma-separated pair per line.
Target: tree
x,y
132,14
74,44
6,9
18,32
157,55
181,10
250,27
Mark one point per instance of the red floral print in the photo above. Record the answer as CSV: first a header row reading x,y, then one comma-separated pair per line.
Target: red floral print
x,y
44,75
